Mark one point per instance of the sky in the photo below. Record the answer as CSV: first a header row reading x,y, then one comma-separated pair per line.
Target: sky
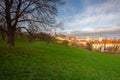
x,y
84,18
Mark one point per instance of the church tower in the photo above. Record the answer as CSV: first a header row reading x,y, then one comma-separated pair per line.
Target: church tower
x,y
100,37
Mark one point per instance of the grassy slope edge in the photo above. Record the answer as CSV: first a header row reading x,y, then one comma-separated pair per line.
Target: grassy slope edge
x,y
37,61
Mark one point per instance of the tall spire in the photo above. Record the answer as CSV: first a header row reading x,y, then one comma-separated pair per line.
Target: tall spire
x,y
100,37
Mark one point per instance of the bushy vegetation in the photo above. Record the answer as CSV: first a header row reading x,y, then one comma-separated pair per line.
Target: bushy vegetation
x,y
65,42
38,61
89,45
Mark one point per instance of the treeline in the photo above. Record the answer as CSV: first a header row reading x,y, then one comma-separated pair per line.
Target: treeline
x,y
41,36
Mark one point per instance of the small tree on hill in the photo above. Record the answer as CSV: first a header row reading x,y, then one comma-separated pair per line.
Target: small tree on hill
x,y
89,45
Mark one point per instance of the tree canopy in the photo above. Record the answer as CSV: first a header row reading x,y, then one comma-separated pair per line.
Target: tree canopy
x,y
34,15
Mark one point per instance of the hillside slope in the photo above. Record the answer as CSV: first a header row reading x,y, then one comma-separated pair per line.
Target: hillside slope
x,y
38,61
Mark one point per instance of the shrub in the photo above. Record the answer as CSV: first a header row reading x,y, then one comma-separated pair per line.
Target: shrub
x,y
89,45
65,42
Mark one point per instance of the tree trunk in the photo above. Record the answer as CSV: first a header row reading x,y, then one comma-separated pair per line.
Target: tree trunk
x,y
3,35
11,36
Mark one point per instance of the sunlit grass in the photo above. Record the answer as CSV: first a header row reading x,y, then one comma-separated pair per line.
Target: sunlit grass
x,y
38,61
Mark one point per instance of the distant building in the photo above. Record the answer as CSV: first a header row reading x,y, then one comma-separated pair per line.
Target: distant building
x,y
106,44
89,38
100,44
100,37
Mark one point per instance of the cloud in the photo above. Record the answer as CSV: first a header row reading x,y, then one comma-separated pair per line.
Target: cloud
x,y
94,19
106,7
106,31
98,29
94,16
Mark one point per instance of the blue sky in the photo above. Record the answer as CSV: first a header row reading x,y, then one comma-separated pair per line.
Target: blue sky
x,y
90,16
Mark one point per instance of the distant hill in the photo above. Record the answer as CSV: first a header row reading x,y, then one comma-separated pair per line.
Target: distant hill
x,y
105,34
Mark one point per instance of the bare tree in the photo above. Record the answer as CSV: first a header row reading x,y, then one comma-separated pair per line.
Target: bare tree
x,y
115,46
58,26
89,45
2,27
28,14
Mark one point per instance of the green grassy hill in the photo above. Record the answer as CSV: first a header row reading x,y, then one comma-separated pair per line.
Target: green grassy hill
x,y
38,61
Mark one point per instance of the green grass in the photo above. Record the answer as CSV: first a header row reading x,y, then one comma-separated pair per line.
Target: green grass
x,y
38,61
